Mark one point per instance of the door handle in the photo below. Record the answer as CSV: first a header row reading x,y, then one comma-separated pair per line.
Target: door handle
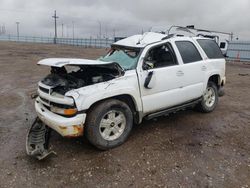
x,y
203,68
179,73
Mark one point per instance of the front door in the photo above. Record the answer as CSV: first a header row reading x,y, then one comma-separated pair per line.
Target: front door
x,y
160,78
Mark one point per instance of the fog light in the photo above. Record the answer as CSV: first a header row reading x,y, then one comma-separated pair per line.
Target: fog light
x,y
71,111
67,112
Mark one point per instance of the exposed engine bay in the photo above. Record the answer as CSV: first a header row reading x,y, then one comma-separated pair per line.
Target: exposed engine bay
x,y
64,79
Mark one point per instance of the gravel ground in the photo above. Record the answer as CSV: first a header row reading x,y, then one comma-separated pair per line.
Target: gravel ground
x,y
187,149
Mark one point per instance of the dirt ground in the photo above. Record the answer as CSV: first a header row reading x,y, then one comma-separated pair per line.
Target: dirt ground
x,y
187,149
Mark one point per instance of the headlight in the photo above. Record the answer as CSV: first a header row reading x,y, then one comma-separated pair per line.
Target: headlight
x,y
67,112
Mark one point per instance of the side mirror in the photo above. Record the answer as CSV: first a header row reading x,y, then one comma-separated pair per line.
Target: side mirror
x,y
148,81
147,65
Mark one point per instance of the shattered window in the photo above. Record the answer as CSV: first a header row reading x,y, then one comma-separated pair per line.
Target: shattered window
x,y
126,58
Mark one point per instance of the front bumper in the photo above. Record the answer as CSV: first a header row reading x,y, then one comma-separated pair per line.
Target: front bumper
x,y
223,81
65,126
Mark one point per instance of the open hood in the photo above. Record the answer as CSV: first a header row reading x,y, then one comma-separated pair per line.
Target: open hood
x,y
89,72
60,62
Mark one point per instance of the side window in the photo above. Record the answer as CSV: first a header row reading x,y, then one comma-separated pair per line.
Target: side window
x,y
211,48
222,45
188,51
160,56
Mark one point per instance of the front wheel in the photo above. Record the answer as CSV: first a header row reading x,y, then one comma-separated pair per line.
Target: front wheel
x,y
209,99
109,124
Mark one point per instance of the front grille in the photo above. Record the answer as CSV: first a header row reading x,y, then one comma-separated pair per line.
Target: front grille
x,y
45,90
45,100
60,105
49,103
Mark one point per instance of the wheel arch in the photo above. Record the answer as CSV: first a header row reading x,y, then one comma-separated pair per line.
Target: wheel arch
x,y
126,98
215,78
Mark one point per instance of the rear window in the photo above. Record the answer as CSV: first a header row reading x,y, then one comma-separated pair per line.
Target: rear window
x,y
211,48
188,51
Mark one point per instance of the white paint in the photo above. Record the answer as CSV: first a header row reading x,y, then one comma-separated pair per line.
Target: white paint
x,y
55,121
60,62
168,87
141,41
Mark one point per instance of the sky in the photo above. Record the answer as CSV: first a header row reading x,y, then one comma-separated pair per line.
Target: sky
x,y
122,18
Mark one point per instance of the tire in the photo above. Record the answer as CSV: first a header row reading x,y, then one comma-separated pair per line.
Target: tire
x,y
109,124
221,91
209,99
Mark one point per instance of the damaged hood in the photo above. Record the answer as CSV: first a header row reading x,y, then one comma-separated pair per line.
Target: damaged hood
x,y
60,62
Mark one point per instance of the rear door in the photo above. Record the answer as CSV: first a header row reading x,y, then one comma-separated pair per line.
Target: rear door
x,y
194,68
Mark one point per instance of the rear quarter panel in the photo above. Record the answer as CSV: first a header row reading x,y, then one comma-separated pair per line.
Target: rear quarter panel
x,y
215,67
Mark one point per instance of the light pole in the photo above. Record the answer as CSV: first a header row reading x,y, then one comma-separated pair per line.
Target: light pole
x,y
62,30
114,33
17,30
231,36
100,29
106,31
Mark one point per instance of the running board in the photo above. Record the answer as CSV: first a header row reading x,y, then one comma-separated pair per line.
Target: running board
x,y
173,109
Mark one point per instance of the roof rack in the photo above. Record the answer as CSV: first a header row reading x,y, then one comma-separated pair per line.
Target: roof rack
x,y
192,27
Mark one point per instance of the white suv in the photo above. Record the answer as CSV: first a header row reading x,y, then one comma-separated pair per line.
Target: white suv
x,y
142,76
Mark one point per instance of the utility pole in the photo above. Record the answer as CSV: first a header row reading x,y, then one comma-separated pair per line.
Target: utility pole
x,y
17,30
55,17
67,31
3,29
62,30
73,29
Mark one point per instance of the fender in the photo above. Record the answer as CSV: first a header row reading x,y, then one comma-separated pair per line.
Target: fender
x,y
125,85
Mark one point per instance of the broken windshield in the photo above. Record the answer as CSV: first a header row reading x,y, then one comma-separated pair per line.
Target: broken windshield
x,y
126,58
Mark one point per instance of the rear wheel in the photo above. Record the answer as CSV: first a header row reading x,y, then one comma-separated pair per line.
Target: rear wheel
x,y
109,124
209,99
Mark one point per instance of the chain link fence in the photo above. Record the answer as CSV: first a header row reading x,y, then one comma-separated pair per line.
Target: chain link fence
x,y
84,42
239,51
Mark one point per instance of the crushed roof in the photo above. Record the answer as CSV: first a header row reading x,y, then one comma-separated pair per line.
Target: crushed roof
x,y
141,41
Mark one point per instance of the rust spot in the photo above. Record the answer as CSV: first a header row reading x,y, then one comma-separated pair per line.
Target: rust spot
x,y
78,128
72,131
